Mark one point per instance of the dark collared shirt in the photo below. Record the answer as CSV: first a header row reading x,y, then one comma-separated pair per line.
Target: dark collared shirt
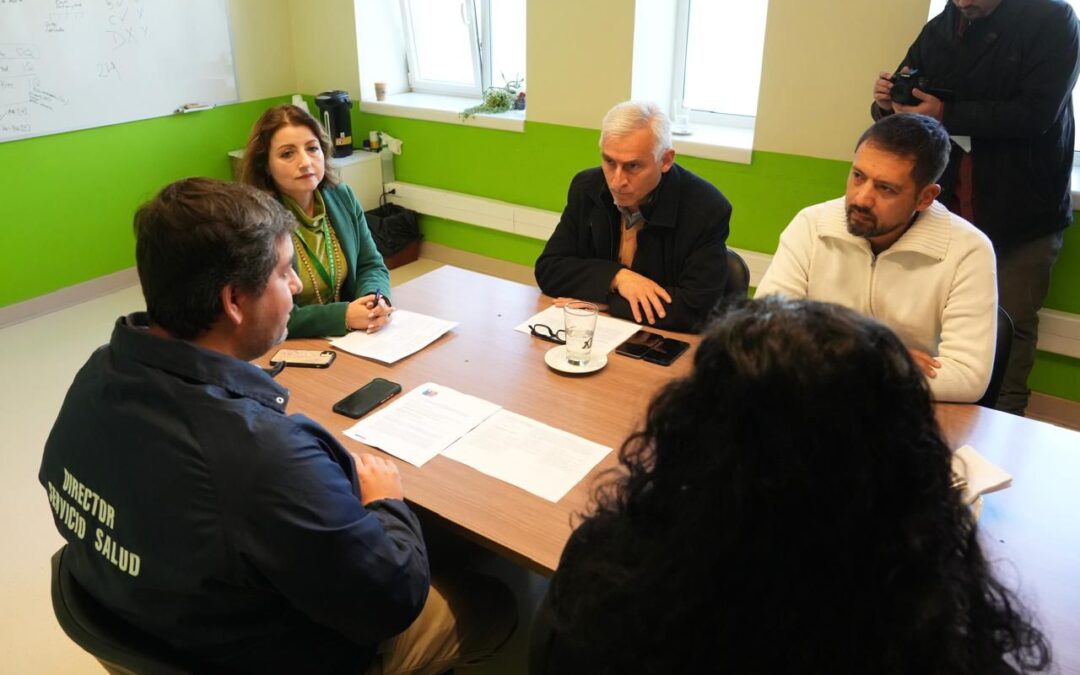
x,y
198,511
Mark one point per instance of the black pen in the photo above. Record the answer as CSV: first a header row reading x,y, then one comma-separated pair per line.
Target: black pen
x,y
378,298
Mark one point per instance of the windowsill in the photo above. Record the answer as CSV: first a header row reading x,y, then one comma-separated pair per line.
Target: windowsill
x,y
712,141
443,109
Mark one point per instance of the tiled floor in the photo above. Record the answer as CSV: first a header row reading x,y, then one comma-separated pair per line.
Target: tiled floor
x,y
38,359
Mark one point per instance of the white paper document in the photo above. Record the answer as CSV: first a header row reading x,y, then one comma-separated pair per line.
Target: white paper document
x,y
535,457
422,423
981,474
610,333
406,334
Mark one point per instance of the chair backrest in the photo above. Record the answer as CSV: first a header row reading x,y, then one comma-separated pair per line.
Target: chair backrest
x,y
121,648
1001,359
738,275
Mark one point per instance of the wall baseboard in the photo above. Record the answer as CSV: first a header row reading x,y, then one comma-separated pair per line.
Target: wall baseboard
x,y
1059,332
1059,411
523,274
68,297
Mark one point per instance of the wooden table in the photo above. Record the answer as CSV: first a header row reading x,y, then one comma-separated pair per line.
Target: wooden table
x,y
483,356
1031,531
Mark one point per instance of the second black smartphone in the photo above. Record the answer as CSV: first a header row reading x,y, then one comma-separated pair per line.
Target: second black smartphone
x,y
366,398
639,344
666,352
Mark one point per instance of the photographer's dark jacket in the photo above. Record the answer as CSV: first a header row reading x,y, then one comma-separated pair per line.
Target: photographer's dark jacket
x,y
198,511
1012,75
681,246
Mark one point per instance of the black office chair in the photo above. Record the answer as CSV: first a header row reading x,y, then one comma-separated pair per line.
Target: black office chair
x,y
121,648
1001,359
738,276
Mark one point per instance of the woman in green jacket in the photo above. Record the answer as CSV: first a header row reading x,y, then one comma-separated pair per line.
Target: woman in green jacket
x,y
346,284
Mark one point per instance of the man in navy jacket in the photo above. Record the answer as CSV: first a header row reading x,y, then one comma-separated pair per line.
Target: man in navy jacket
x,y
196,510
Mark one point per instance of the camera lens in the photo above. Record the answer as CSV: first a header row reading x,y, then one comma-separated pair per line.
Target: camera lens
x,y
901,90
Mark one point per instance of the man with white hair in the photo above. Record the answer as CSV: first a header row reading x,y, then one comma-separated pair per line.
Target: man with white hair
x,y
640,235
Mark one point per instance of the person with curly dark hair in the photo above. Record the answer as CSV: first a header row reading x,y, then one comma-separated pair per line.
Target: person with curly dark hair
x,y
788,507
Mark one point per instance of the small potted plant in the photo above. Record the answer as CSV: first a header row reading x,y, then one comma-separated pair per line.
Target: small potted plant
x,y
499,99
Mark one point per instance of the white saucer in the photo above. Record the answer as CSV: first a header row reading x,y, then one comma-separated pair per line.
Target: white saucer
x,y
556,358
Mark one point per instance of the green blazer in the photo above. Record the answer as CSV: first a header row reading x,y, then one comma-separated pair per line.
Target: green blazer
x,y
366,273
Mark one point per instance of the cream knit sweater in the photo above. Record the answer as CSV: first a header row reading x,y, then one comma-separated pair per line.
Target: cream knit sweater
x,y
935,287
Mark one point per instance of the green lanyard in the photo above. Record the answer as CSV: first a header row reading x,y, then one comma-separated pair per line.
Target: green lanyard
x,y
331,278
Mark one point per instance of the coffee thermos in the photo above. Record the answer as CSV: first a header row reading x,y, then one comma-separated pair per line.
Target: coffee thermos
x,y
334,107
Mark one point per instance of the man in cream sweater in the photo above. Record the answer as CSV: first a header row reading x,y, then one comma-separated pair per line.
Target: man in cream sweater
x,y
888,250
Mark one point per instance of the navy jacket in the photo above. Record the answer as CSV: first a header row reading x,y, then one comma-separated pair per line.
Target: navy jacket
x,y
681,247
1012,75
198,511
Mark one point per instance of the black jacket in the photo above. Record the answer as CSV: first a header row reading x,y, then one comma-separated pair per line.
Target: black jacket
x,y
681,247
1012,75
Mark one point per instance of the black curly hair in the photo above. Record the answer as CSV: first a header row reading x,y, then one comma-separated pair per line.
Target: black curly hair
x,y
788,508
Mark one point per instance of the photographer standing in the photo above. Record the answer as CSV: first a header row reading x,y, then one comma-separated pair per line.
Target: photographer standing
x,y
1001,76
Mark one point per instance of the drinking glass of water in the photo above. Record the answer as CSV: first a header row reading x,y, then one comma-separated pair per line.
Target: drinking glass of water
x,y
580,318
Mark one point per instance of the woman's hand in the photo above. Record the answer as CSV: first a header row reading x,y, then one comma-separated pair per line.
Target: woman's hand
x,y
364,314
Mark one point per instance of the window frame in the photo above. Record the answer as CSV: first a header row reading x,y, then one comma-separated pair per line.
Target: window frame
x,y
678,79
479,37
682,42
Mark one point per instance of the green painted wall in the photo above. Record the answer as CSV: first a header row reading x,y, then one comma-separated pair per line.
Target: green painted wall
x,y
1066,278
69,198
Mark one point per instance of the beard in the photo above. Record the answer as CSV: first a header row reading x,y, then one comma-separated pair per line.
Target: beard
x,y
867,225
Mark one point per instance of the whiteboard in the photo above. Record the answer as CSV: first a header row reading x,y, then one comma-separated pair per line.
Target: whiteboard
x,y
76,64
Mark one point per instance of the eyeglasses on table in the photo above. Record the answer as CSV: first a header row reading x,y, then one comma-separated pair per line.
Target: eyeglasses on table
x,y
545,333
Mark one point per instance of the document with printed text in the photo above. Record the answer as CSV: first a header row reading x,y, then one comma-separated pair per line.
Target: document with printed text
x,y
422,423
535,457
433,419
406,334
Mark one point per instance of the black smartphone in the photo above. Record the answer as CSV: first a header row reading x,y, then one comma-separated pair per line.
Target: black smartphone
x,y
304,358
666,352
639,344
367,398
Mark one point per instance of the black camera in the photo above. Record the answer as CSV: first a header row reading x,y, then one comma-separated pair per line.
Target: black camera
x,y
903,83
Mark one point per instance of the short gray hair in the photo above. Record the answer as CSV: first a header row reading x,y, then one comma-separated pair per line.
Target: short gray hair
x,y
629,116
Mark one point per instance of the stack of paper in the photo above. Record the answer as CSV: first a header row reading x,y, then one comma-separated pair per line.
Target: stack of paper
x,y
431,419
406,334
981,474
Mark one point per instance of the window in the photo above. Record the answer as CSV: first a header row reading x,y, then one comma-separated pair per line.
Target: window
x,y
703,59
462,47
718,52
